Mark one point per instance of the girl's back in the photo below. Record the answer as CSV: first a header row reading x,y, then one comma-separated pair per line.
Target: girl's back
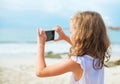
x,y
90,75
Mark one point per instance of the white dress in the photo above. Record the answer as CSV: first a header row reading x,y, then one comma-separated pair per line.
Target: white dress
x,y
90,75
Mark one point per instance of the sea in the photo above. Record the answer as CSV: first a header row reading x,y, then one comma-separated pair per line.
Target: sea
x,y
20,43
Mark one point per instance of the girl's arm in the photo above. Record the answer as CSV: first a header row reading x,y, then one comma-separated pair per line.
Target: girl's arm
x,y
42,70
62,35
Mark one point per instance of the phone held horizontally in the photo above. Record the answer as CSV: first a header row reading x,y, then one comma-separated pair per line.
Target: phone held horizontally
x,y
50,35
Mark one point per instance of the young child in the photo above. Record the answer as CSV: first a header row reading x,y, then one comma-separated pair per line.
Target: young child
x,y
89,48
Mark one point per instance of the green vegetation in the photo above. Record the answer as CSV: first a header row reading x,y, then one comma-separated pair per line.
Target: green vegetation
x,y
114,28
113,63
50,54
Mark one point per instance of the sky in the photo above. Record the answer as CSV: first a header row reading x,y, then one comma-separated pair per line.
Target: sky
x,y
49,13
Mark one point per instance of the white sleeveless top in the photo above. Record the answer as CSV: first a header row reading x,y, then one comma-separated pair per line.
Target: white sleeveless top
x,y
90,75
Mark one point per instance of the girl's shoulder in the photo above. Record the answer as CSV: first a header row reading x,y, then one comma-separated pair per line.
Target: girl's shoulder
x,y
84,57
82,60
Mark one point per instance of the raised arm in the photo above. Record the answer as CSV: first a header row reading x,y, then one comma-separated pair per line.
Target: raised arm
x,y
62,35
42,70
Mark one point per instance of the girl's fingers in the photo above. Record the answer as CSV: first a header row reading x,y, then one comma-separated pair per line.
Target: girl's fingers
x,y
40,31
57,28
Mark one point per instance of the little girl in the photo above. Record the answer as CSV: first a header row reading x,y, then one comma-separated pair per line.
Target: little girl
x,y
89,48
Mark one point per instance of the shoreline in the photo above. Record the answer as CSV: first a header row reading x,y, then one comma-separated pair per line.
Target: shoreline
x,y
62,46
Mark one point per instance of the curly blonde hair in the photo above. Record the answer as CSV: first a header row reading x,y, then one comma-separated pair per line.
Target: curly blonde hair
x,y
90,37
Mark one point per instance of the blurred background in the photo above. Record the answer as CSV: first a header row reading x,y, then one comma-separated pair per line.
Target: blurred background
x,y
19,20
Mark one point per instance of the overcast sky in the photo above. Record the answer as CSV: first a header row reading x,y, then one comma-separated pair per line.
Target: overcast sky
x,y
48,13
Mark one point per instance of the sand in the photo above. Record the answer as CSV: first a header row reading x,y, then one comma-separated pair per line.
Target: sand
x,y
22,71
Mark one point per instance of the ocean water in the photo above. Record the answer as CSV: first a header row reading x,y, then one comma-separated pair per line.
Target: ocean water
x,y
22,42
27,35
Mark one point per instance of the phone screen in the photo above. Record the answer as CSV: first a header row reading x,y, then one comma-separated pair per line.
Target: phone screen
x,y
50,35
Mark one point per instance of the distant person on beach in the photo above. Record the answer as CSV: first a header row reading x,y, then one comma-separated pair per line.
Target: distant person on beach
x,y
89,49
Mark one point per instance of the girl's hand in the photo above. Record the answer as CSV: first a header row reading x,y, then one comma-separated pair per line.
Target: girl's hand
x,y
41,37
61,34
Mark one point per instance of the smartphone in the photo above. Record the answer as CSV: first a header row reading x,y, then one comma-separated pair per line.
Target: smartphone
x,y
50,35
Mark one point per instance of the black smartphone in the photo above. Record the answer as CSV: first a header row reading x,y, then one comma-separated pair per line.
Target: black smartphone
x,y
50,35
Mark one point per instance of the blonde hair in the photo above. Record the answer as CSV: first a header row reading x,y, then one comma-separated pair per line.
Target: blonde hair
x,y
90,37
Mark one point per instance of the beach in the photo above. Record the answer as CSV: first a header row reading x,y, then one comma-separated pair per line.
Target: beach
x,y
17,65
19,24
21,71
